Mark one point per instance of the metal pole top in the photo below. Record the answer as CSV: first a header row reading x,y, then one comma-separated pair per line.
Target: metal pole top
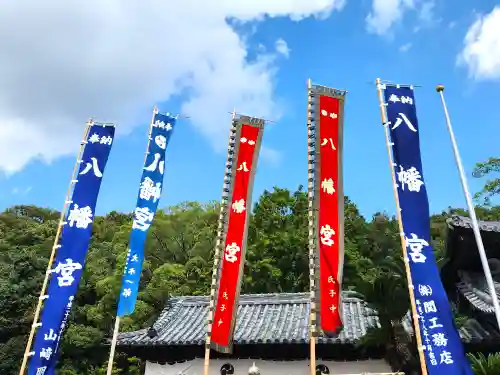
x,y
439,88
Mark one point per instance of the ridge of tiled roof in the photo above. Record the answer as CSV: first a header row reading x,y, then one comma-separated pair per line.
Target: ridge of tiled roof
x,y
465,222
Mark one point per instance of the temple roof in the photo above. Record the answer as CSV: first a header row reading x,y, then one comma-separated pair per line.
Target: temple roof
x,y
262,318
457,221
270,319
461,247
464,271
474,288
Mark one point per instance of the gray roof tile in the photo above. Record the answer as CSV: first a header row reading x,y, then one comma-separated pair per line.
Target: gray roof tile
x,y
474,288
465,222
272,319
474,332
262,318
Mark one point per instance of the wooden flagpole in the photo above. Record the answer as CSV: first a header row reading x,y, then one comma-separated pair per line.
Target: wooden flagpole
x,y
56,246
116,329
221,229
411,287
312,233
113,346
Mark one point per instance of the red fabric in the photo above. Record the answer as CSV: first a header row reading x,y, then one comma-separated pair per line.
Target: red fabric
x,y
329,314
229,281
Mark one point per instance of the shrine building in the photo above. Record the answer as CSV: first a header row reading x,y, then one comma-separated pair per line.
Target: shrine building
x,y
272,337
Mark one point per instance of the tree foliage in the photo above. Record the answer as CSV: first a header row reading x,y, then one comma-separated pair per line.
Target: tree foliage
x,y
482,365
179,256
492,186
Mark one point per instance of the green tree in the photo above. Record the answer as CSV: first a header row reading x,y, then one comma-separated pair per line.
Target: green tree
x,y
277,259
492,186
381,282
178,261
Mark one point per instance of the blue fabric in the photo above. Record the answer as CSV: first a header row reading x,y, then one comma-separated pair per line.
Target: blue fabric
x,y
443,348
70,258
147,203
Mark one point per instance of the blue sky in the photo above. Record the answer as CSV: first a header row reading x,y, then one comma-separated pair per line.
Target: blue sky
x,y
339,52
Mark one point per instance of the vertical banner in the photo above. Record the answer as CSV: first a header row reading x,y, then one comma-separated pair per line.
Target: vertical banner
x,y
150,190
221,233
329,197
248,140
72,249
443,348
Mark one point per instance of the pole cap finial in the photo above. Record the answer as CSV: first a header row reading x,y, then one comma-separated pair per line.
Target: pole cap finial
x,y
439,88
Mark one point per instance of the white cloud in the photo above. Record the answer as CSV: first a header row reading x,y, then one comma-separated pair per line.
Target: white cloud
x,y
63,62
282,47
405,47
426,12
481,52
21,191
387,13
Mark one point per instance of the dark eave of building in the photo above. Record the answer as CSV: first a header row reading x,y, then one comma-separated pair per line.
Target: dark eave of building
x,y
474,288
461,248
463,271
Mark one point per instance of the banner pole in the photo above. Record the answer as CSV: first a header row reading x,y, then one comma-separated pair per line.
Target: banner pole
x,y
312,233
423,365
113,346
117,321
470,207
219,242
48,271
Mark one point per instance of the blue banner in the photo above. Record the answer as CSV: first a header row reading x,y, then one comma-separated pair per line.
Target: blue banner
x,y
150,190
72,250
441,342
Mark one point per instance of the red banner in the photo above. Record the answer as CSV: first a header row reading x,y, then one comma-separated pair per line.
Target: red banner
x,y
330,204
233,258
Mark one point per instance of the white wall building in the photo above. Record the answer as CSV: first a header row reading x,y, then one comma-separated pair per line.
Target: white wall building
x,y
271,332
